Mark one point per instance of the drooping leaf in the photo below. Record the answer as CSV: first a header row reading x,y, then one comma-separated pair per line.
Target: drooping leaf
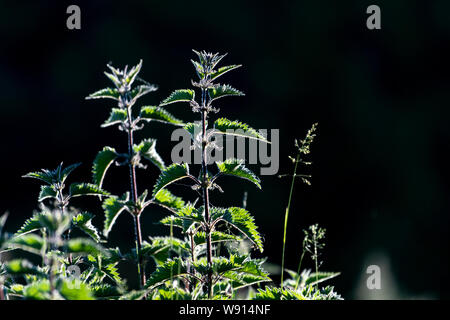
x,y
43,176
113,207
237,128
169,175
116,116
147,150
182,95
102,162
235,167
224,90
149,113
105,93
83,221
242,221
223,70
86,189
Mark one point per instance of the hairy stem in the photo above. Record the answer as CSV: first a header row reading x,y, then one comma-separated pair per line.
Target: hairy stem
x,y
133,186
205,195
287,216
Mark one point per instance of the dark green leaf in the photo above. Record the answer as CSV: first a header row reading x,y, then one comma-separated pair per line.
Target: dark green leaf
x,y
169,175
235,167
236,128
223,91
150,113
86,189
147,150
182,95
102,162
116,116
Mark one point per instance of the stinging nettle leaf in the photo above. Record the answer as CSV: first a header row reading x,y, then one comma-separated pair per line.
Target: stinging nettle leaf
x,y
169,175
237,128
182,95
143,89
116,116
166,199
113,207
223,70
149,113
47,192
147,150
235,167
86,189
107,93
83,221
224,90
102,162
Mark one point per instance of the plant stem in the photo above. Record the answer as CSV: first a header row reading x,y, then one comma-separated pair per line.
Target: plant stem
x,y
205,195
299,269
287,216
133,185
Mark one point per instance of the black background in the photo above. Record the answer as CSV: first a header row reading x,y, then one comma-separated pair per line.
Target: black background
x,y
380,172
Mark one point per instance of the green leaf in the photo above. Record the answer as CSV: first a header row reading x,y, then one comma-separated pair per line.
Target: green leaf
x,y
235,167
132,74
141,90
172,221
147,150
74,289
223,70
20,267
159,248
166,199
149,113
223,91
47,192
169,175
30,225
168,271
83,221
194,129
315,278
216,236
241,220
113,207
182,95
107,93
28,242
37,290
102,162
236,128
271,293
86,189
68,170
84,246
116,116
171,294
43,176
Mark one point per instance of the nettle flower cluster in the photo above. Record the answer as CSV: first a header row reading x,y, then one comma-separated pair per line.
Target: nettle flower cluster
x,y
209,259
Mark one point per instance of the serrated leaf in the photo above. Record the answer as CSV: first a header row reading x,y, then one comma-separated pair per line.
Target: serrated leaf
x,y
182,95
224,90
47,192
315,278
169,175
83,221
47,178
141,90
30,225
37,290
159,248
235,167
102,162
216,236
149,113
223,70
241,220
84,246
271,293
74,289
168,271
113,207
147,150
107,93
116,116
28,242
132,74
237,128
166,199
68,170
20,267
86,189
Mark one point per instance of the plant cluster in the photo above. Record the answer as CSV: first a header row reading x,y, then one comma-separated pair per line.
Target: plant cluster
x,y
208,252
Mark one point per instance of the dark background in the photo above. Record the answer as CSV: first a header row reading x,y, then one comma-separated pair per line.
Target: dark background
x,y
380,172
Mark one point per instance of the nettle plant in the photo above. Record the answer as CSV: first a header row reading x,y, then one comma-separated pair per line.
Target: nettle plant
x,y
208,251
